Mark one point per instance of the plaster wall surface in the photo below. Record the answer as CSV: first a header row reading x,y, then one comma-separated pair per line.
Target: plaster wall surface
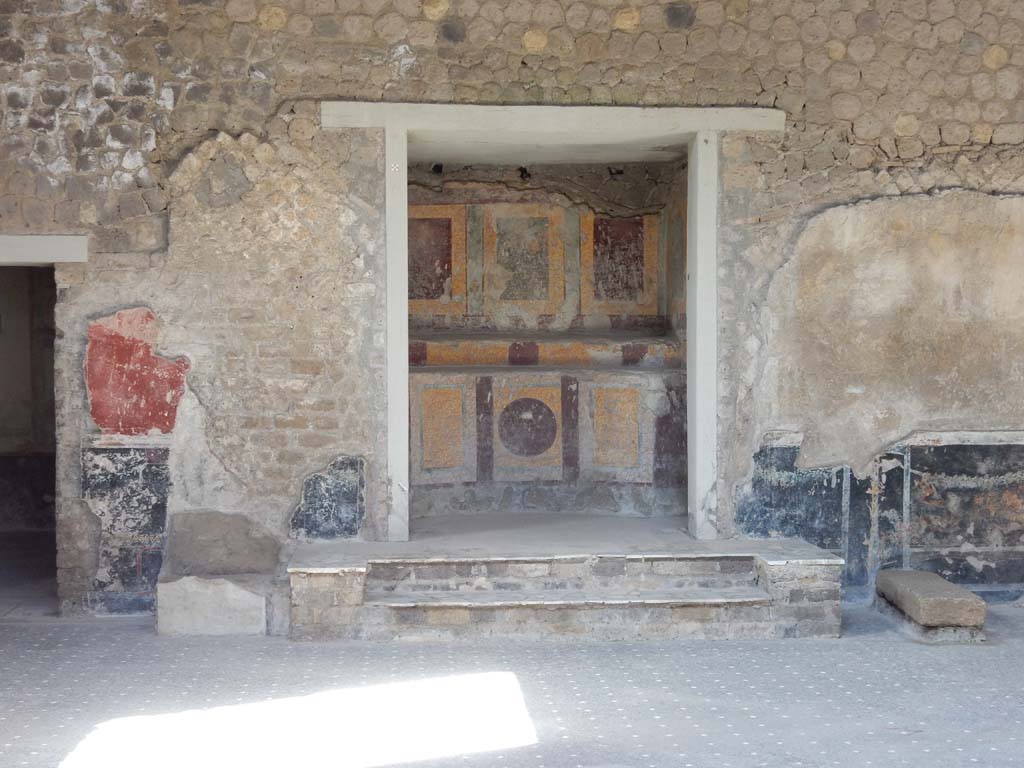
x,y
895,316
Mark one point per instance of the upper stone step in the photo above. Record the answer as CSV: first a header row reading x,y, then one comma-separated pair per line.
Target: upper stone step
x,y
609,575
570,598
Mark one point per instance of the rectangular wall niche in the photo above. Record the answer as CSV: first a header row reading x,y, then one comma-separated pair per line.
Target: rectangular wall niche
x,y
546,308
452,136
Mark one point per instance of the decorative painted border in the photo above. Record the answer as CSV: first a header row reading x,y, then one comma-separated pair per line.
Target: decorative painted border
x,y
589,303
556,257
456,304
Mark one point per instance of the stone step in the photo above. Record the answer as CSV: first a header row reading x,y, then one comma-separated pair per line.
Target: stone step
x,y
564,615
609,574
238,604
568,598
605,587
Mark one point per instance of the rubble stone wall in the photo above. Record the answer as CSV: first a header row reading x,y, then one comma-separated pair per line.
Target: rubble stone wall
x,y
181,135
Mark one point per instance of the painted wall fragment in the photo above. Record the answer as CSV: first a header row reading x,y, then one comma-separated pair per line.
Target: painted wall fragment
x,y
127,489
131,390
522,440
333,502
955,509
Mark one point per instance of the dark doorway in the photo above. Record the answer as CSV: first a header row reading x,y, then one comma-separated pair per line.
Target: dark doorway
x,y
28,551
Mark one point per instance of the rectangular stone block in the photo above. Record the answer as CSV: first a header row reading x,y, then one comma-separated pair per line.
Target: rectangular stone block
x,y
194,605
930,600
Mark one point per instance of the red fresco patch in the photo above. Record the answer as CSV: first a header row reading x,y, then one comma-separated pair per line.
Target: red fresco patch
x,y
131,390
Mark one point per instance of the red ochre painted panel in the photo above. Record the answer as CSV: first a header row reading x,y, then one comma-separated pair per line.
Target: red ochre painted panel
x,y
131,390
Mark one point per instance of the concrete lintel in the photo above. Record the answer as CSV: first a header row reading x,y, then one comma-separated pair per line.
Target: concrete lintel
x,y
470,133
543,122
40,250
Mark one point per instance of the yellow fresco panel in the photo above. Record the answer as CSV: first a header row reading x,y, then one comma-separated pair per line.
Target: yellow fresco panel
x,y
617,427
442,428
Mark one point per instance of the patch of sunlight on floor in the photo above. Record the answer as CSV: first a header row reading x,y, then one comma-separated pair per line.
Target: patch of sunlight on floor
x,y
358,727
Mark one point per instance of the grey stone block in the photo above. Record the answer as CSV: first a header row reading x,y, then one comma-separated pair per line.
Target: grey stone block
x,y
194,605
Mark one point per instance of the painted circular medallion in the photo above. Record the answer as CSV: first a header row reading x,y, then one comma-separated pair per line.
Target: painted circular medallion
x,y
527,427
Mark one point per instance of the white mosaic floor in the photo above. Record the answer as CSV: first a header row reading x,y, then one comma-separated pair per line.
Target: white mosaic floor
x,y
873,698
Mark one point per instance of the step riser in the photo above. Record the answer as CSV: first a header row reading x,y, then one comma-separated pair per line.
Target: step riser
x,y
611,575
602,623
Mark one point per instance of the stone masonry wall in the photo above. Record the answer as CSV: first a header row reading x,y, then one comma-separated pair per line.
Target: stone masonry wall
x,y
272,288
102,100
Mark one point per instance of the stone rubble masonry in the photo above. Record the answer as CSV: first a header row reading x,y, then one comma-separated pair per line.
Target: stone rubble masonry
x,y
94,120
193,605
805,597
274,291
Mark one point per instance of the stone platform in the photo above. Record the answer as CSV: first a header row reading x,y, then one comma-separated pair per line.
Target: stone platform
x,y
562,576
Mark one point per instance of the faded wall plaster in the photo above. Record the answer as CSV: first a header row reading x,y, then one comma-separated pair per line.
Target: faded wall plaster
x,y
896,315
627,189
762,219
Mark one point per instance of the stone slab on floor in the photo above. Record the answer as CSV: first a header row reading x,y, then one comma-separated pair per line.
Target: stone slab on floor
x,y
931,635
195,605
930,600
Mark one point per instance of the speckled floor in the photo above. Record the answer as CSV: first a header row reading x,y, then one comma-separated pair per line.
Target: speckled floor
x,y
874,698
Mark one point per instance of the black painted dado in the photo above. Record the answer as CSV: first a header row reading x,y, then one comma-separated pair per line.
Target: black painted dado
x,y
787,501
965,519
333,502
968,512
874,538
127,490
